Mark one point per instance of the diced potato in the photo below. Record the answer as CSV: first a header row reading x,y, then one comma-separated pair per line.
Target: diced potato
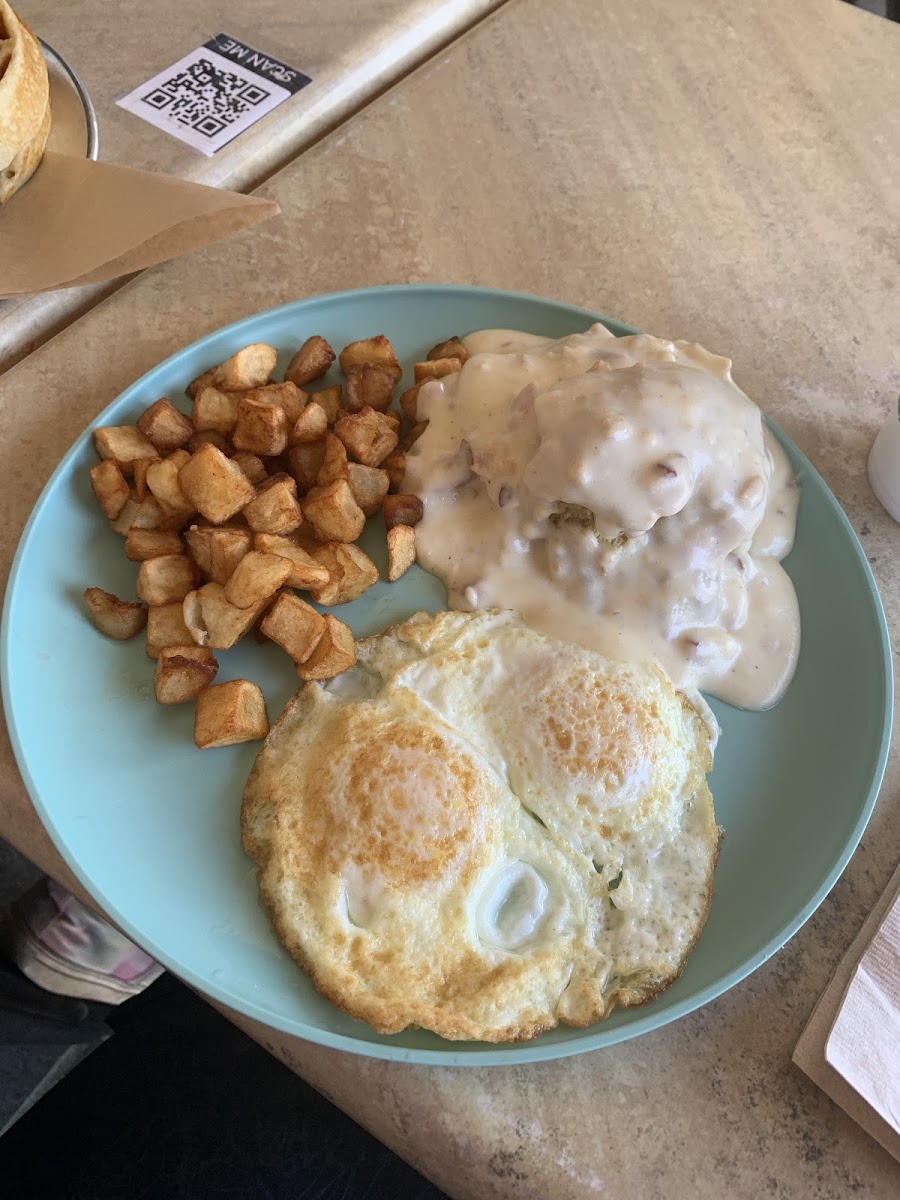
x,y
369,486
228,713
350,573
395,465
204,379
227,547
166,627
162,480
334,461
336,652
149,514
367,436
215,411
369,385
197,542
376,350
287,394
141,544
124,521
330,400
123,444
214,485
412,435
310,426
166,579
401,543
452,348
110,487
209,437
141,467
408,402
294,625
333,513
262,427
222,622
117,619
165,426
305,571
257,577
435,368
305,462
310,362
252,466
274,508
393,419
250,367
182,672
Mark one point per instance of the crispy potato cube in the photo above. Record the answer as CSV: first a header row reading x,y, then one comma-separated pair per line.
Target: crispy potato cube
x,y
287,395
209,437
401,543
375,350
124,521
228,713
197,540
214,485
369,385
262,427
149,514
334,461
330,400
275,508
305,462
141,544
395,465
166,627
123,444
333,513
182,672
110,487
412,435
435,368
227,547
215,411
367,436
393,419
165,579
252,466
256,577
222,622
162,480
204,379
452,348
310,362
294,625
350,573
141,467
336,652
408,402
165,426
310,426
250,367
305,571
402,510
117,619
369,486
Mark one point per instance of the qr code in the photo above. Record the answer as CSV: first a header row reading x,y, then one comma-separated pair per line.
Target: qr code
x,y
206,98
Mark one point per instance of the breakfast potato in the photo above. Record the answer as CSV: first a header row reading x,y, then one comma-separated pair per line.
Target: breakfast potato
x,y
141,544
294,625
215,411
367,435
412,435
228,545
123,445
166,427
210,437
117,619
376,351
182,672
252,466
394,420
408,402
149,514
166,627
214,485
250,367
369,486
435,368
310,362
402,510
330,399
310,426
214,620
274,509
139,478
262,427
350,573
369,385
305,462
401,544
196,540
286,394
162,480
395,465
257,577
335,652
204,379
333,513
305,571
110,487
334,461
452,348
166,579
228,713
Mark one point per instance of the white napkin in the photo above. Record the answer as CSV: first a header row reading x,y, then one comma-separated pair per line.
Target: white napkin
x,y
851,1044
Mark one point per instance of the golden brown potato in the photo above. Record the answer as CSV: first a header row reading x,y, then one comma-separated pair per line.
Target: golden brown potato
x,y
336,652
402,510
395,465
294,625
110,487
149,514
452,348
165,579
252,466
256,577
334,461
375,350
162,480
350,573
196,540
310,362
367,436
287,394
139,479
250,367
165,426
228,713
123,445
141,544
305,571
124,521
412,435
310,426
211,438
204,379
369,486
215,411
333,513
435,368
274,508
262,427
401,543
305,462
330,400
228,545
394,420
408,402
214,485
117,619
369,385
214,620
166,627
182,672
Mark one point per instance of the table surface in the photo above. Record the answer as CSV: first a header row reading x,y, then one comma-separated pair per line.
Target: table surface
x,y
349,51
719,172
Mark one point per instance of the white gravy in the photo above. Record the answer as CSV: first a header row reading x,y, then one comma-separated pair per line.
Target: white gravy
x,y
621,493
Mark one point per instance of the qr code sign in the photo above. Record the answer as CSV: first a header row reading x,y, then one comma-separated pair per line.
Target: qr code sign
x,y
207,98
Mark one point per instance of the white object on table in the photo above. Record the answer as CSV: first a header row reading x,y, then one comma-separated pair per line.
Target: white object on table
x,y
884,465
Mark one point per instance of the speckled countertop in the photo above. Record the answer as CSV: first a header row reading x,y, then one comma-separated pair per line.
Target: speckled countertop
x,y
727,173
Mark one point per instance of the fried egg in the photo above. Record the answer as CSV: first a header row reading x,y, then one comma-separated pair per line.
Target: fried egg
x,y
484,831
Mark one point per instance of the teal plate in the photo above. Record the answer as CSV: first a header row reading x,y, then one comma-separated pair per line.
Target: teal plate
x,y
150,825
